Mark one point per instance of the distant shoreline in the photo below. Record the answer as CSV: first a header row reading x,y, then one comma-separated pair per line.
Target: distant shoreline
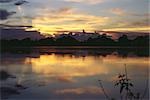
x,y
79,50
102,41
79,47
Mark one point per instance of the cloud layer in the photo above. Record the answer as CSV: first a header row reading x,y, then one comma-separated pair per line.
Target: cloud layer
x,y
117,11
4,14
5,1
93,2
53,16
67,19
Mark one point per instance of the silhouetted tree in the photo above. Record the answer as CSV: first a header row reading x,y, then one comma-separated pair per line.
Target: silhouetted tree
x,y
46,42
66,41
123,41
102,40
141,41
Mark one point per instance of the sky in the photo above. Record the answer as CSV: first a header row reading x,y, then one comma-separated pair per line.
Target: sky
x,y
55,16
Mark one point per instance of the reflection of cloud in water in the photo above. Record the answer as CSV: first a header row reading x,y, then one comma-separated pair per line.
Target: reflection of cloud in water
x,y
79,91
65,66
54,65
65,79
127,60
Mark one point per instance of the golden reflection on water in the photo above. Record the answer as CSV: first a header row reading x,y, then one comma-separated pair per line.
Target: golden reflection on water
x,y
78,91
67,67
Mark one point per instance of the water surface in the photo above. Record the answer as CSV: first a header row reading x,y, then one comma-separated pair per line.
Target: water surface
x,y
71,73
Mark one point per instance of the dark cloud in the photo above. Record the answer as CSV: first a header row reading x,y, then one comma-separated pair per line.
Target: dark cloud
x,y
62,31
131,35
16,26
6,1
16,2
21,2
19,33
4,14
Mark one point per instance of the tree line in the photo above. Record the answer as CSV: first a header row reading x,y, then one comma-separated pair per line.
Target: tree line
x,y
102,40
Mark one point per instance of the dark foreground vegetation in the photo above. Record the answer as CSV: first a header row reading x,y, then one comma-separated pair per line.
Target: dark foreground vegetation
x,y
102,40
126,86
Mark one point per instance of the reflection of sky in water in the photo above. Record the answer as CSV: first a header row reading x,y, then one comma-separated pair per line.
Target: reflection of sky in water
x,y
52,76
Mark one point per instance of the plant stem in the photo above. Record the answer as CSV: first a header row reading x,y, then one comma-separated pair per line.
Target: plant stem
x,y
104,90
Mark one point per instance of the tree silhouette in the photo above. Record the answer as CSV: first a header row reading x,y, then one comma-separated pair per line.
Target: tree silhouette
x,y
66,41
69,40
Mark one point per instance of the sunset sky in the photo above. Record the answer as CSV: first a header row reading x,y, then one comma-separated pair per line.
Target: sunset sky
x,y
54,16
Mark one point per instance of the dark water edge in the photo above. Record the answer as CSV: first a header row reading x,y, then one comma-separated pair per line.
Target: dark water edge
x,y
80,50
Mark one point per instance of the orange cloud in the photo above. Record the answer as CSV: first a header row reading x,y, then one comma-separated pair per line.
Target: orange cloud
x,y
67,19
117,11
86,1
142,29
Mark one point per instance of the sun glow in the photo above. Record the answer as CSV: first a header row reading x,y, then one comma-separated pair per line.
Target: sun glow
x,y
67,19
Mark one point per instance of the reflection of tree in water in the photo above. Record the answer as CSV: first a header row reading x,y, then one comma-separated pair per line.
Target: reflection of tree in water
x,y
4,75
7,91
125,85
77,51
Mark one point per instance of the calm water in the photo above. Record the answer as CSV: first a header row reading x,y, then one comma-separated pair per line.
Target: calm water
x,y
70,73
